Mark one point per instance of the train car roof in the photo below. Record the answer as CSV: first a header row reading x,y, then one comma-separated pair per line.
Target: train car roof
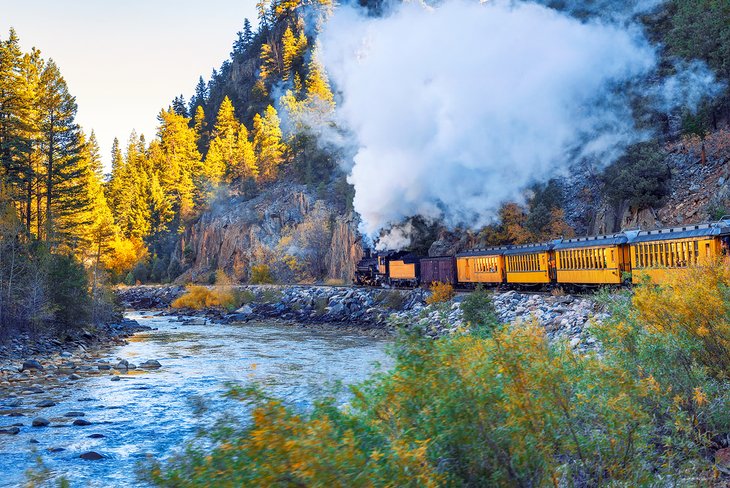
x,y
683,232
487,251
530,248
580,242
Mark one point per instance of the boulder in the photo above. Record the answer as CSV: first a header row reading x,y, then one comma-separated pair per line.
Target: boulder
x,y
91,456
46,404
40,422
81,422
122,365
31,364
150,364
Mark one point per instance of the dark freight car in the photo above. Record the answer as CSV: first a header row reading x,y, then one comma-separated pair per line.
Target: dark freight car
x,y
441,269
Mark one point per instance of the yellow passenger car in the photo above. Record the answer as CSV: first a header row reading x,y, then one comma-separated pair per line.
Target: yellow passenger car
x,y
656,253
529,264
599,260
481,266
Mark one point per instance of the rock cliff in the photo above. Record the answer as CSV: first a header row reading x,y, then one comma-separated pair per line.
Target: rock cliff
x,y
286,228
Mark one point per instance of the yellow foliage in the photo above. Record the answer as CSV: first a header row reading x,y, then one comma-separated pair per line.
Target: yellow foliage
x,y
261,274
440,292
125,254
200,297
691,302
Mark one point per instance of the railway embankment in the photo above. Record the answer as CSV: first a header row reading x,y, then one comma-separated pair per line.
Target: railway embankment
x,y
377,310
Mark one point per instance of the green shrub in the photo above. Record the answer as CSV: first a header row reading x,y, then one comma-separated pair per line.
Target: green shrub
x,y
69,291
261,275
479,312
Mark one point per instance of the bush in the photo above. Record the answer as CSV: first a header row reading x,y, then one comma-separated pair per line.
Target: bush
x,y
199,297
391,299
261,275
68,291
140,273
479,312
440,293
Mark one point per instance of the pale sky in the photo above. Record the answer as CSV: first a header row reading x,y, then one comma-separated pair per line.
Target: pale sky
x,y
124,60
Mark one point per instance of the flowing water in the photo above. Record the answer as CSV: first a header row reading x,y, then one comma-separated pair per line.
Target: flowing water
x,y
153,412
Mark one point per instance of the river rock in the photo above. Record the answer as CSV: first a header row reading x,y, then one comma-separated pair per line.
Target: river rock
x,y
122,365
10,430
31,364
81,422
150,364
115,378
41,422
56,449
74,414
91,456
74,377
96,436
46,404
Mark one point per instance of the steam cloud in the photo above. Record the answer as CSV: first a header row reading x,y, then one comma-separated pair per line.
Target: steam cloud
x,y
457,108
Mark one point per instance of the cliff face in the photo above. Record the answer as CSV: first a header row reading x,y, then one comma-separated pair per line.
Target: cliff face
x,y
299,238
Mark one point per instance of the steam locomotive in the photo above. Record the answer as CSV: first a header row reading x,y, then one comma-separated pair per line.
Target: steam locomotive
x,y
604,260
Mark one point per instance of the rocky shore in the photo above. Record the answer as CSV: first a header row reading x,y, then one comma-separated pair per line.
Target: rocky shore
x,y
380,309
28,361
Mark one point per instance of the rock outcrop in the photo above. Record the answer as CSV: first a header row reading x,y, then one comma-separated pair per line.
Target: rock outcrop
x,y
285,227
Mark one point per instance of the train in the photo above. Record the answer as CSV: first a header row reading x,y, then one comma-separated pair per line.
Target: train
x,y
620,259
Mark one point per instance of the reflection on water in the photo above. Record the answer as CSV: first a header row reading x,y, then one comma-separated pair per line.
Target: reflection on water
x,y
152,412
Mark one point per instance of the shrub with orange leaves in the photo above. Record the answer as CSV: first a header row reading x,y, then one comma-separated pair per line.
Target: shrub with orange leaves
x,y
440,292
222,295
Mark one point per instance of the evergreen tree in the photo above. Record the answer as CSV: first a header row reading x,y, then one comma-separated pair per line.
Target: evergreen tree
x,y
200,98
64,168
267,144
178,105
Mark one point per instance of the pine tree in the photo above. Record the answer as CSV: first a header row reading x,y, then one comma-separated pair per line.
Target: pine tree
x,y
179,163
178,105
200,98
200,126
289,52
61,141
267,144
246,167
317,84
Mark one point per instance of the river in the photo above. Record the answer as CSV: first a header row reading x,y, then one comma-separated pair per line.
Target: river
x,y
154,412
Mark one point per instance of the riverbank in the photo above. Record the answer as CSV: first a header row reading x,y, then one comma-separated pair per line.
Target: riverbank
x,y
376,311
39,363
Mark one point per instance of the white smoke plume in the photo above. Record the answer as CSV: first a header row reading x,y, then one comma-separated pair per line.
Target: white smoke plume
x,y
458,107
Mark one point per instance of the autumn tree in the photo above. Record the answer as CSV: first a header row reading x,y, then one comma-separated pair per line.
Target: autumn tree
x,y
267,143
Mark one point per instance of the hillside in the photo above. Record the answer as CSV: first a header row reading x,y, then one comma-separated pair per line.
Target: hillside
x,y
276,149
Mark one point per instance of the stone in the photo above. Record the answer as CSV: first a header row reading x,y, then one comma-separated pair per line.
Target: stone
x,y
10,430
91,456
40,422
31,364
56,449
103,367
81,422
74,377
115,378
46,404
74,414
722,460
150,364
96,436
66,354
